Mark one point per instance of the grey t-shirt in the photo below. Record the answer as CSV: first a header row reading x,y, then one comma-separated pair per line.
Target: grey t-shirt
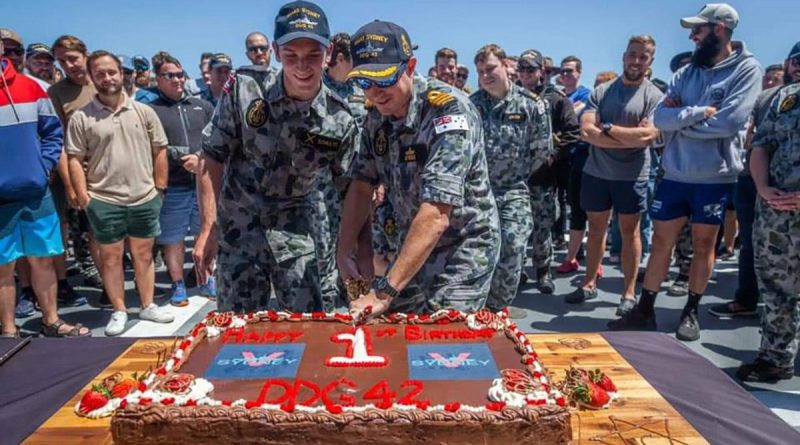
x,y
624,106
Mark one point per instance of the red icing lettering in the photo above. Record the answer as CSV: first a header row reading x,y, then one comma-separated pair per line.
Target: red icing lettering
x,y
298,386
344,399
386,332
293,336
233,336
382,393
413,333
288,392
253,337
410,397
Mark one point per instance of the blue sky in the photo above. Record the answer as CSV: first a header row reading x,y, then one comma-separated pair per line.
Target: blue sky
x,y
596,31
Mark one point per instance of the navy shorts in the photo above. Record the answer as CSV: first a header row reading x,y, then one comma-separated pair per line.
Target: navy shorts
x,y
701,203
626,197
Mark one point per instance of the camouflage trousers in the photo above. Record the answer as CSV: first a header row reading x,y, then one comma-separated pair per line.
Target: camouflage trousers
x,y
325,206
274,247
683,249
516,225
544,209
467,296
776,246
384,230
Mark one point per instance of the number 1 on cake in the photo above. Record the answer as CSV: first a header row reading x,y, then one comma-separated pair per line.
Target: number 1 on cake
x,y
359,351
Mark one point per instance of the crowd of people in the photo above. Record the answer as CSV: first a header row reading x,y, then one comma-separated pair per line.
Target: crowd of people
x,y
346,169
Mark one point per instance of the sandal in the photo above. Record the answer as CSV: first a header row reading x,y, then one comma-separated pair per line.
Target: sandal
x,y
52,330
15,334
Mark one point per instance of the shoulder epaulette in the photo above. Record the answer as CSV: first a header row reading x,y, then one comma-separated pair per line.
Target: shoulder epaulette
x,y
439,98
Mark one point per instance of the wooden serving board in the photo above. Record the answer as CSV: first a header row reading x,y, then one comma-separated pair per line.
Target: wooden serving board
x,y
641,416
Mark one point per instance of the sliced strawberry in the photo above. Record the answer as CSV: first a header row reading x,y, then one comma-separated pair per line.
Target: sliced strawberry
x,y
95,398
591,396
124,388
602,380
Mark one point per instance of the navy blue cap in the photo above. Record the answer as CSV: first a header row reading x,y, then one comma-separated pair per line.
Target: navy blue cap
x,y
127,62
35,49
301,20
219,60
378,49
795,51
140,63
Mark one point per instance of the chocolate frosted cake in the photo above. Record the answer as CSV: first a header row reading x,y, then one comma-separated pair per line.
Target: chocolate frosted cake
x,y
281,378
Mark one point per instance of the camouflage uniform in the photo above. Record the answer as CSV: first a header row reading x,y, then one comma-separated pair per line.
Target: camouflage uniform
x,y
435,154
544,206
517,134
384,230
326,204
776,233
273,149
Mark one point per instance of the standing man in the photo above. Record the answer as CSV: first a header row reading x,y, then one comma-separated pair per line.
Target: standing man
x,y
516,132
773,76
219,68
14,49
616,122
30,140
141,75
273,134
39,61
258,50
462,75
704,117
446,64
123,145
424,141
183,118
565,132
195,87
776,233
570,77
511,67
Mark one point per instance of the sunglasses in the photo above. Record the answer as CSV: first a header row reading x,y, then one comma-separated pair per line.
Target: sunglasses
x,y
527,69
173,76
257,49
699,28
366,84
462,76
17,51
567,71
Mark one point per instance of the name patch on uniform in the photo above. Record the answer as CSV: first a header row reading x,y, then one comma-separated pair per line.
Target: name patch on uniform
x,y
256,114
788,103
380,143
413,153
515,117
319,141
450,122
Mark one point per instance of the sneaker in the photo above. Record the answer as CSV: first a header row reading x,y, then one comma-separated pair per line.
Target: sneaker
x,y
25,306
156,314
580,295
178,295
560,244
116,325
523,279
731,310
209,290
625,306
763,371
689,329
679,287
69,297
104,301
544,281
568,267
614,259
633,321
158,260
725,254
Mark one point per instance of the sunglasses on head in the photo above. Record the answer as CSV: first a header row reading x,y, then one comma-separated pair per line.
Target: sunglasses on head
x,y
256,49
173,76
366,84
17,51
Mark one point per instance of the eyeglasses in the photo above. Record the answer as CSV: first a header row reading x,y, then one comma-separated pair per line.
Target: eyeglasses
x,y
17,51
366,84
257,49
173,76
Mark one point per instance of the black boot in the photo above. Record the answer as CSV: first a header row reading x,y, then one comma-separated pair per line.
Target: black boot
x,y
544,280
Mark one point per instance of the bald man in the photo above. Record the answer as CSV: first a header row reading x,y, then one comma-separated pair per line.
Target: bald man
x,y
258,50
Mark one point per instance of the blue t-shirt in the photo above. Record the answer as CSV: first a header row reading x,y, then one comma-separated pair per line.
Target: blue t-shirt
x,y
581,94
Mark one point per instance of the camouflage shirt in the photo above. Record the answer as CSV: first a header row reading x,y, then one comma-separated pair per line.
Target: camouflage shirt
x,y
435,154
352,94
274,147
779,132
518,137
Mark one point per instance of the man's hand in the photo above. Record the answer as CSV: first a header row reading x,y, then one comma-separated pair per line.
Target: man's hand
x,y
83,200
72,198
190,163
204,253
348,267
378,306
710,111
786,201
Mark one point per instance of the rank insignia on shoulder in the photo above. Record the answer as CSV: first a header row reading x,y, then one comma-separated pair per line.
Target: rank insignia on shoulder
x,y
380,143
256,115
788,103
439,98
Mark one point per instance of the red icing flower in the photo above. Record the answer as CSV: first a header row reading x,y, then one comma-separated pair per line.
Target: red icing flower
x,y
178,383
227,403
251,404
424,317
144,401
296,316
334,409
423,405
161,371
168,401
384,405
560,401
454,315
222,319
452,407
191,402
442,321
185,344
272,315
495,406
347,318
536,402
318,315
123,404
484,316
142,387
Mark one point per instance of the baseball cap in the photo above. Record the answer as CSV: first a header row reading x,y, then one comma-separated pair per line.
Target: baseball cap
x,y
531,57
35,49
774,67
378,49
140,63
675,63
219,60
126,62
10,34
301,20
549,66
716,13
795,51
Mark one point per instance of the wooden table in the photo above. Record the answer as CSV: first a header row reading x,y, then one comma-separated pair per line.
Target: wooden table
x,y
640,416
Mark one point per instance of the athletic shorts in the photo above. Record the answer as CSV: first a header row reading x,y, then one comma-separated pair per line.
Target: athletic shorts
x,y
29,228
626,197
701,203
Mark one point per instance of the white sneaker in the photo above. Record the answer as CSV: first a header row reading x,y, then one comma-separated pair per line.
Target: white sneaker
x,y
156,314
117,323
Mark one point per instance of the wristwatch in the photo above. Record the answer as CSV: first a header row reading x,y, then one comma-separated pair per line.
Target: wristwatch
x,y
382,286
607,128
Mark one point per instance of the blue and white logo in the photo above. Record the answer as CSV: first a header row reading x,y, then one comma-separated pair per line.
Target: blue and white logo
x,y
256,361
464,361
